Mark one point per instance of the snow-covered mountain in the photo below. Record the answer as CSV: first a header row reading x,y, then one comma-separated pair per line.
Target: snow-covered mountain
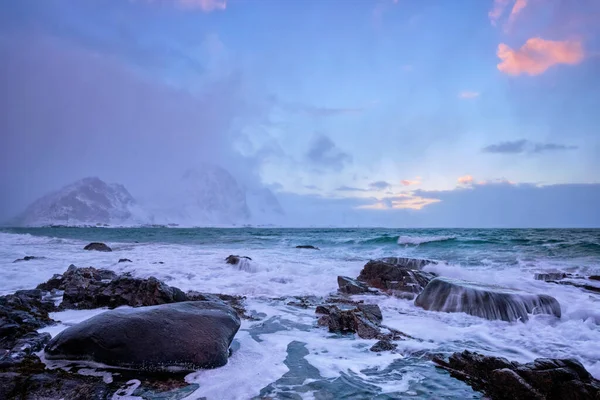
x,y
89,201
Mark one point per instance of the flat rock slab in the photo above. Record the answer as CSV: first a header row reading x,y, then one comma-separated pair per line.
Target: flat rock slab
x,y
169,337
490,302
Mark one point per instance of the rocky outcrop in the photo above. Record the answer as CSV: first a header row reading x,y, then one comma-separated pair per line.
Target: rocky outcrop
x,y
21,315
307,246
542,379
181,336
97,246
383,345
396,277
352,286
410,263
490,302
549,276
364,319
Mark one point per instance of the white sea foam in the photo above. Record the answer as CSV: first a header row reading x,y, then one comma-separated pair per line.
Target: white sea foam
x,y
280,270
417,240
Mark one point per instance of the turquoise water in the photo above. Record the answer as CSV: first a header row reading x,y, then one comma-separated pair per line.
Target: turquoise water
x,y
298,359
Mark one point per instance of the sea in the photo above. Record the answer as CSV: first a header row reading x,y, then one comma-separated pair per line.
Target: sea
x,y
283,354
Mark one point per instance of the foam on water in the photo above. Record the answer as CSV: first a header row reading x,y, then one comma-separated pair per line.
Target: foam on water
x,y
417,240
287,340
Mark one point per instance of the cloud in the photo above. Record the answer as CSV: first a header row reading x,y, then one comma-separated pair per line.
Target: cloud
x,y
380,185
468,95
311,187
523,146
350,189
517,8
497,10
315,111
537,55
465,180
324,153
403,201
408,182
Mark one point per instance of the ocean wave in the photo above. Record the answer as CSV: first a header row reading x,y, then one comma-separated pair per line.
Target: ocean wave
x,y
418,240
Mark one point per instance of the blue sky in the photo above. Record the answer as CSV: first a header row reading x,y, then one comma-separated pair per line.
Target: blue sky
x,y
378,104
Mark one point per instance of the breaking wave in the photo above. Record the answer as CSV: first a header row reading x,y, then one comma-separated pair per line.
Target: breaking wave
x,y
417,240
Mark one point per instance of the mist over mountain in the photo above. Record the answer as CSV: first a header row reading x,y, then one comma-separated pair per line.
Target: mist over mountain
x,y
205,196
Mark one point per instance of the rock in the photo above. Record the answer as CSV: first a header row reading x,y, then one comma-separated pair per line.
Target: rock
x,y
307,246
383,345
543,379
121,260
182,336
97,246
490,302
594,277
234,260
549,276
591,288
352,286
363,320
395,278
28,258
410,263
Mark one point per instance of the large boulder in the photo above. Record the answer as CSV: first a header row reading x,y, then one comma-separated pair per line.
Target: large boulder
x,y
410,263
542,379
97,246
348,285
181,336
486,301
396,276
363,319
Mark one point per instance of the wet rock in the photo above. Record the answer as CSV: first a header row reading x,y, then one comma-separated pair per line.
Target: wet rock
x,y
307,246
500,379
395,278
490,302
28,258
383,345
235,260
183,336
97,246
364,320
584,286
549,276
352,286
122,260
594,277
410,263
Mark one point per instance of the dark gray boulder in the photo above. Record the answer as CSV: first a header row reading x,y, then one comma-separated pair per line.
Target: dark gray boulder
x,y
307,246
490,302
234,260
122,260
97,246
396,277
28,258
383,345
362,319
352,286
170,337
542,379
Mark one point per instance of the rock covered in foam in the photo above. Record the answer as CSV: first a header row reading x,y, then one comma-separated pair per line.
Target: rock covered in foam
x,y
180,336
541,379
490,302
396,275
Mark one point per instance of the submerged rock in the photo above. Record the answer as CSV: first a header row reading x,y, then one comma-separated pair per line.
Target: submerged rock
x,y
28,258
395,277
500,379
383,345
97,246
490,302
594,277
121,260
307,246
549,276
352,286
234,260
169,337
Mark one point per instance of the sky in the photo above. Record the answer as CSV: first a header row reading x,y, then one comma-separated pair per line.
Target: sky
x,y
403,113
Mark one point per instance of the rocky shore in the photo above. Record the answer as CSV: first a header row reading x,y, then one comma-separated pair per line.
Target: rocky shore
x,y
155,333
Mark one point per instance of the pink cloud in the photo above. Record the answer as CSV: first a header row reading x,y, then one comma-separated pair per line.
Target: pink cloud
x,y
537,55
497,10
517,8
468,95
465,180
409,182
